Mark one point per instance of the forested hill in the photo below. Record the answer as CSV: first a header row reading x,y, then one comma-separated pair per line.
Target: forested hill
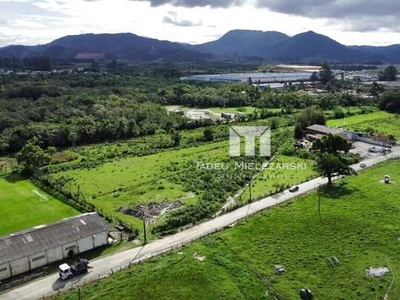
x,y
236,45
125,46
307,47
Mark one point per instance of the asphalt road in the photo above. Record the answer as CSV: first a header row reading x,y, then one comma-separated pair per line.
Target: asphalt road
x,y
51,284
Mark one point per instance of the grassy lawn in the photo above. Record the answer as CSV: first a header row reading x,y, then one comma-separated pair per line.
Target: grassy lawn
x,y
346,122
24,205
359,226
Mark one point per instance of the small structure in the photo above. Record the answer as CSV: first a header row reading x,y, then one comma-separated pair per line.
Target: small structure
x,y
279,269
306,294
332,261
387,179
227,116
26,250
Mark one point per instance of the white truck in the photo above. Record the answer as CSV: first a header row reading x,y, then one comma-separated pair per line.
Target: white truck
x,y
66,271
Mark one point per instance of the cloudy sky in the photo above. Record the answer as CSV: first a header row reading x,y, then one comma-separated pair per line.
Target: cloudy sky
x,y
352,22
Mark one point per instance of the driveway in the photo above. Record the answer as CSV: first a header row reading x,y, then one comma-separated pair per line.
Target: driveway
x,y
104,266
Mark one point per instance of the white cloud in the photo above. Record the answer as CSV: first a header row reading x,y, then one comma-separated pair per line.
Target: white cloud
x,y
40,21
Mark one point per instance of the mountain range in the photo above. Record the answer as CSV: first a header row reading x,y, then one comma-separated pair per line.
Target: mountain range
x,y
271,46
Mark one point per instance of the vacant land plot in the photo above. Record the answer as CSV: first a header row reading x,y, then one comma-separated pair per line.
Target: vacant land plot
x,y
387,126
138,180
346,122
359,226
283,172
24,205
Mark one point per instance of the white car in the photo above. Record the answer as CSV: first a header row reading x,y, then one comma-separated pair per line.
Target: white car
x,y
294,189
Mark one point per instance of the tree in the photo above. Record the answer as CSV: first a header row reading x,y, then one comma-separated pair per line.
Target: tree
x,y
330,165
208,134
176,137
389,74
298,132
94,66
314,77
325,74
308,117
375,90
32,157
390,102
332,144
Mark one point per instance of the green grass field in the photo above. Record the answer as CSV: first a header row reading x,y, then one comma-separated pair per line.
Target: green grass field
x,y
350,121
387,126
131,181
359,226
374,123
283,172
24,205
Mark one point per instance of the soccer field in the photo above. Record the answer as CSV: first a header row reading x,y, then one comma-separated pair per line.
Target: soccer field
x,y
24,205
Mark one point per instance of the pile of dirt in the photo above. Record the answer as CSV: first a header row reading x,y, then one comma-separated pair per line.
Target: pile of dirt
x,y
151,210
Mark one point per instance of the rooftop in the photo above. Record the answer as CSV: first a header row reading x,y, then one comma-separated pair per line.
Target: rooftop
x,y
324,129
41,238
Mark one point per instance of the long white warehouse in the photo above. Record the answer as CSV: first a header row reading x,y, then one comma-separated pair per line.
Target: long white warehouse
x,y
26,250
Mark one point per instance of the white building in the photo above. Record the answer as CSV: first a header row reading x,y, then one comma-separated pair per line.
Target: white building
x,y
26,250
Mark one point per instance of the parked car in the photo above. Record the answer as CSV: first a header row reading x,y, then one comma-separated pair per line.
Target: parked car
x,y
375,149
294,189
363,165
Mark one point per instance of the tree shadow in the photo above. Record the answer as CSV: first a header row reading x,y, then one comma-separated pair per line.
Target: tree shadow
x,y
338,190
14,177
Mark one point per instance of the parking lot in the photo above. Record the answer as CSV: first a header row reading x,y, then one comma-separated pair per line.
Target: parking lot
x,y
362,149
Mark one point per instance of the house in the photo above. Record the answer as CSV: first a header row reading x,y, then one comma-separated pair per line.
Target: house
x,y
26,250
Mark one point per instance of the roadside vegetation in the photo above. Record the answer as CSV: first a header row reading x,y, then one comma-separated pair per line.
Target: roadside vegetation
x,y
358,226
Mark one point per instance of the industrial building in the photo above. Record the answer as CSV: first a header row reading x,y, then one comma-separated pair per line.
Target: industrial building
x,y
318,131
26,250
257,78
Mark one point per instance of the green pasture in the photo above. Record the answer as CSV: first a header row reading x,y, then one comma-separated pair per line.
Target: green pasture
x,y
353,120
282,173
130,181
359,225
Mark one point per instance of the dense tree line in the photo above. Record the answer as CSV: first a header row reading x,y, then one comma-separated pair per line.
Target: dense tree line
x,y
77,109
390,101
67,121
32,63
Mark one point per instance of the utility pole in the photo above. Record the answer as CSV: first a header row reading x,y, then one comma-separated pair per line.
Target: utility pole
x,y
250,200
144,229
319,202
79,191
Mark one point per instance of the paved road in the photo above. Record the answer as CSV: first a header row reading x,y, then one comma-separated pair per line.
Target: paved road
x,y
102,267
